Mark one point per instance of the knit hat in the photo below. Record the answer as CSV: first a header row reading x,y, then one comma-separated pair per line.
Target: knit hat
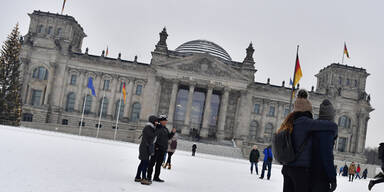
x,y
152,119
327,112
302,103
163,118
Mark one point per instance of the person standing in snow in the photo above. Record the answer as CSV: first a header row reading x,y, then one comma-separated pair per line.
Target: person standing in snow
x,y
146,149
379,177
194,147
322,168
341,171
161,146
352,171
172,145
365,173
345,170
267,163
358,169
254,158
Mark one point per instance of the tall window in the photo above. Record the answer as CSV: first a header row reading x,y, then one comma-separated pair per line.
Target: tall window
x,y
73,79
344,122
215,106
88,104
103,107
135,115
40,28
253,129
256,108
40,73
271,111
181,104
355,83
340,81
106,84
71,98
36,97
27,117
121,114
49,30
268,132
58,31
139,89
286,112
198,103
348,82
342,145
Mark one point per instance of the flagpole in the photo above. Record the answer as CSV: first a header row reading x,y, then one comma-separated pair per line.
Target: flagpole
x,y
82,115
118,116
342,61
294,79
101,112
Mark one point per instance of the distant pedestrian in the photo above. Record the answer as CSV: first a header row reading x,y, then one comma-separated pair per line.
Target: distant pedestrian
x,y
345,170
194,148
267,163
146,149
379,177
172,145
341,171
254,158
358,169
351,171
365,173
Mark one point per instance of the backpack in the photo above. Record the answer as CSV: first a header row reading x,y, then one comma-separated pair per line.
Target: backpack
x,y
282,147
173,144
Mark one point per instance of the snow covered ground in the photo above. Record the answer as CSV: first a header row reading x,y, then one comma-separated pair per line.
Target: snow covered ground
x,y
40,161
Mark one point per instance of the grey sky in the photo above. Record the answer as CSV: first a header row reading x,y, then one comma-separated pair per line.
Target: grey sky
x,y
274,27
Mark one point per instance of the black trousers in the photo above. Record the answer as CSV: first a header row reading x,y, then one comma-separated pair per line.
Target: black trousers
x,y
156,160
169,157
296,179
318,185
351,176
142,169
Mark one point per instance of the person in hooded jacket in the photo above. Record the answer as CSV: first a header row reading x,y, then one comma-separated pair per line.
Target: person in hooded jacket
x,y
323,173
267,163
345,170
146,149
161,146
379,177
300,123
194,148
365,173
254,156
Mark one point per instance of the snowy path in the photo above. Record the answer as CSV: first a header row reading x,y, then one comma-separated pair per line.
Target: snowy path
x,y
39,161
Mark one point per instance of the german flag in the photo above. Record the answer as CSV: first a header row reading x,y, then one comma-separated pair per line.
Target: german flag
x,y
124,93
346,50
298,72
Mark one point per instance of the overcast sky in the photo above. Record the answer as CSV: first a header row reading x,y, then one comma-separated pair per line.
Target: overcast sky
x,y
274,27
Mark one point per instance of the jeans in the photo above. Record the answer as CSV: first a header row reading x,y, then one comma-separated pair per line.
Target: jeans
x,y
357,175
254,163
142,169
296,179
266,165
157,160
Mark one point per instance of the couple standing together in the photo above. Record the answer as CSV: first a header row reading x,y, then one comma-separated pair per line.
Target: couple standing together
x,y
313,141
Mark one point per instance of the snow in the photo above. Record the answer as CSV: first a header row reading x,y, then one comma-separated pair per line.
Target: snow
x,y
41,161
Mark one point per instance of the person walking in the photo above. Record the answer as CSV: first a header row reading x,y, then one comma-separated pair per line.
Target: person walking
x,y
322,168
161,146
365,173
194,148
254,159
358,169
267,163
172,145
146,148
345,170
300,124
379,177
341,171
352,171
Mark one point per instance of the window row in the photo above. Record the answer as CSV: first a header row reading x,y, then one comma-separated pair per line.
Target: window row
x,y
271,111
348,82
48,30
268,131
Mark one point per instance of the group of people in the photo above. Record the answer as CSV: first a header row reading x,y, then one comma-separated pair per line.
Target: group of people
x,y
156,141
353,172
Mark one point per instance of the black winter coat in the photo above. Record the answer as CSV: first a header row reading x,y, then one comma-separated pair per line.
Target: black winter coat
x,y
148,138
322,156
303,125
254,156
163,135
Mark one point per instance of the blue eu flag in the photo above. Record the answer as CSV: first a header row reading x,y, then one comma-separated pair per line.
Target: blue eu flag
x,y
90,86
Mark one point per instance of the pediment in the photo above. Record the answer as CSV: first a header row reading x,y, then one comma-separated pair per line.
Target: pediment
x,y
204,65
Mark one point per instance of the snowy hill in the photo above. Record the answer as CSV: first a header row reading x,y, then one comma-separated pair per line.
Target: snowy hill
x,y
42,161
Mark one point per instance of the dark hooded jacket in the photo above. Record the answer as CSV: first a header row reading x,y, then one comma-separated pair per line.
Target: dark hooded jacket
x,y
163,135
254,155
148,138
303,125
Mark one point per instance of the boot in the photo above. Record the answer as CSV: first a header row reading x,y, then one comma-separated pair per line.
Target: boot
x,y
137,179
169,166
165,165
145,182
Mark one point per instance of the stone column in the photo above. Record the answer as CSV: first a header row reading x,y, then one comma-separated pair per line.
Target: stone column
x,y
222,114
207,113
172,104
112,100
187,118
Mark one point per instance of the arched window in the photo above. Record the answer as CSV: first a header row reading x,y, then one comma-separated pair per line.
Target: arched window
x,y
71,98
88,104
253,129
268,132
40,28
103,107
40,73
344,122
121,114
135,115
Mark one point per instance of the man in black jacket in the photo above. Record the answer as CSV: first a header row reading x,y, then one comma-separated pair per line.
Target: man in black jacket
x,y
379,177
161,146
254,158
323,172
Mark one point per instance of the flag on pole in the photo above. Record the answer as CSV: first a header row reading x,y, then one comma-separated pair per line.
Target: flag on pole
x,y
91,87
290,81
62,9
346,50
106,52
124,92
298,72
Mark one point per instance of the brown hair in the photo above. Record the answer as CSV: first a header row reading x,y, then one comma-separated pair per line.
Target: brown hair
x,y
287,123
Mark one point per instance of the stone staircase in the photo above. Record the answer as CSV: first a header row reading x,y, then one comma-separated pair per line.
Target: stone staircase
x,y
209,148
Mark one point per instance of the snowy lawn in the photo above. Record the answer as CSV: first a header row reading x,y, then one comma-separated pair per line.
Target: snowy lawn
x,y
40,161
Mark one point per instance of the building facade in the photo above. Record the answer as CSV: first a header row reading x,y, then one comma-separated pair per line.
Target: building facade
x,y
202,90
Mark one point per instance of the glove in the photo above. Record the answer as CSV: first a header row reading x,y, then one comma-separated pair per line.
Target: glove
x,y
332,186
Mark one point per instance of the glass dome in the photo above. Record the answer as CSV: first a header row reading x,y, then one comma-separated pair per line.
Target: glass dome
x,y
203,46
